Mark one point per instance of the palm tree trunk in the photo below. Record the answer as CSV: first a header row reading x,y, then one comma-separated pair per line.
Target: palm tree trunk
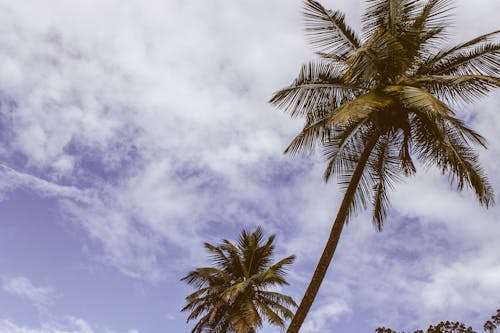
x,y
331,245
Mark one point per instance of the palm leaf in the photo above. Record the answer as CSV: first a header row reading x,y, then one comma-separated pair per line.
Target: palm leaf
x,y
317,129
227,294
428,64
343,158
328,31
413,98
434,14
360,108
230,295
382,57
340,150
387,15
278,307
407,165
483,59
453,88
319,83
271,316
442,143
466,133
385,170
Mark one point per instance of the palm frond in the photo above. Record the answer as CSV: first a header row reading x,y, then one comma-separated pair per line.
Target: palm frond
x,y
217,316
318,84
230,295
426,41
333,59
202,323
413,98
466,133
442,143
197,309
227,294
205,276
453,88
252,316
328,31
430,62
484,59
255,256
316,130
385,169
278,307
376,104
223,325
319,127
463,165
271,316
247,317
426,30
434,14
280,268
387,15
236,266
381,58
407,165
218,257
274,275
277,297
343,158
475,48
360,108
197,295
343,149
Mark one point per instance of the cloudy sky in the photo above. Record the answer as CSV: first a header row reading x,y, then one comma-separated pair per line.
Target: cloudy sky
x,y
133,131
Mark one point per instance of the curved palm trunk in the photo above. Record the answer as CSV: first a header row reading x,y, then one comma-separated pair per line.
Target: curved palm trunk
x,y
331,245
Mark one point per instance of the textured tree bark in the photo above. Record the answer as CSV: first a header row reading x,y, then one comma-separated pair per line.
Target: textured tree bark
x,y
331,245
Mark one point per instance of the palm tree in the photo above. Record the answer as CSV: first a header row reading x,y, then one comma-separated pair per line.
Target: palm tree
x,y
375,104
237,291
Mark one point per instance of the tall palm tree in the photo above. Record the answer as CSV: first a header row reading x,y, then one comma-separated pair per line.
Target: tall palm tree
x,y
237,291
376,103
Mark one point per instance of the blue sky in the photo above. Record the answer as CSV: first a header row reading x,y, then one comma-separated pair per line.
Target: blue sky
x,y
132,132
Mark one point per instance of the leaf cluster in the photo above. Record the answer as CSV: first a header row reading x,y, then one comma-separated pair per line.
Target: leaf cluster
x,y
453,327
397,83
237,292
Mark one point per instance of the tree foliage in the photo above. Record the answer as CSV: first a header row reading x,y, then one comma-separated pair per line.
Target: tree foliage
x,y
454,327
398,83
238,290
377,102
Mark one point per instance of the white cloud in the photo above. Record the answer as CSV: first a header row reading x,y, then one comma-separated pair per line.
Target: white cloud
x,y
41,297
160,113
98,97
68,325
11,179
321,319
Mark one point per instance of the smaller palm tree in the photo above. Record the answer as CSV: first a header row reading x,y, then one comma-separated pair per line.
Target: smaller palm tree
x,y
236,292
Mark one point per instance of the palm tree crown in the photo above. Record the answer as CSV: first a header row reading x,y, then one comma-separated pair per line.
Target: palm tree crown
x,y
375,104
236,292
395,84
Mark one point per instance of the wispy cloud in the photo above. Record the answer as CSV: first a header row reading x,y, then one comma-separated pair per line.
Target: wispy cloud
x,y
322,317
68,325
11,179
160,132
40,296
